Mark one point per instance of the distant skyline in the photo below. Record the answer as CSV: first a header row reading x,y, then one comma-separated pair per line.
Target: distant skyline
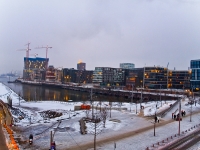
x,y
101,33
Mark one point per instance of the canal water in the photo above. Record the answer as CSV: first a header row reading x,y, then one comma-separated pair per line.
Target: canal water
x,y
38,93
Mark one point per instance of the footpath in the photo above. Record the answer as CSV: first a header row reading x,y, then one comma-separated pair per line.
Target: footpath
x,y
7,140
3,145
119,137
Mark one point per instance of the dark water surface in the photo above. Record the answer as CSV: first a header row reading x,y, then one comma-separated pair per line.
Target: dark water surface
x,y
33,92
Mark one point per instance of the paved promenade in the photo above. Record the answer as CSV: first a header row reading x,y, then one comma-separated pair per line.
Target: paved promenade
x,y
90,144
3,145
5,117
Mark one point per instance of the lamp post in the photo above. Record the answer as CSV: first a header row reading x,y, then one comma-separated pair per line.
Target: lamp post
x,y
136,102
154,133
141,98
160,95
131,98
91,101
179,125
155,122
191,105
144,77
167,75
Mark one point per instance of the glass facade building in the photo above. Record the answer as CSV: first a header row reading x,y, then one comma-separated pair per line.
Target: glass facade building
x,y
106,76
127,65
195,77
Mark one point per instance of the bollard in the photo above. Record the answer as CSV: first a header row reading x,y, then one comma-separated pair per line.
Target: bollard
x,y
175,135
158,143
153,145
167,139
194,126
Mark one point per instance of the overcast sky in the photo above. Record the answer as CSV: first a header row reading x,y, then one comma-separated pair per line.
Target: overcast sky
x,y
101,33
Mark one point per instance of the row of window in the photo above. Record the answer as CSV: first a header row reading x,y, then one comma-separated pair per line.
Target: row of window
x,y
195,64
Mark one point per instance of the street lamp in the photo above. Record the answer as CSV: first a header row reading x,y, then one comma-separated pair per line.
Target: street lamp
x,y
131,98
191,104
155,121
141,98
179,116
167,74
160,95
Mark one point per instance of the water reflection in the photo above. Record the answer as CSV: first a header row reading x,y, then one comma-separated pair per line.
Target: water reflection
x,y
32,92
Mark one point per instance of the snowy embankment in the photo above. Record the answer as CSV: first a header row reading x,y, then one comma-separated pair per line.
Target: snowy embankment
x,y
32,118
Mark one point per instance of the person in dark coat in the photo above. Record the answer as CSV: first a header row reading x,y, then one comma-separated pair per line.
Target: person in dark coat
x,y
182,113
156,119
174,117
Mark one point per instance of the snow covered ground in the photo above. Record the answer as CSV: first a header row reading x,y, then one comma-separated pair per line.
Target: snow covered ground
x,y
31,118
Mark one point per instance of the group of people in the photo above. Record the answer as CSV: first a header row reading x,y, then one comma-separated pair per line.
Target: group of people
x,y
174,116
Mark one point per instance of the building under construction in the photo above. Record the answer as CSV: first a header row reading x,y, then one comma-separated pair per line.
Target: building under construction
x,y
34,68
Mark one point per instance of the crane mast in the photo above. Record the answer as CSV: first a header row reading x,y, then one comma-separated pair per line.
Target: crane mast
x,y
26,65
47,47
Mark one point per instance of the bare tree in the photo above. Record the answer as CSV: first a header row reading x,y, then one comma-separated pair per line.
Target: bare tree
x,y
95,127
87,113
120,105
104,115
110,103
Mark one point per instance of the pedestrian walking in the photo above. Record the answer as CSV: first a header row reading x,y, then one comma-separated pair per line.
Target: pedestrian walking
x,y
156,119
181,112
174,117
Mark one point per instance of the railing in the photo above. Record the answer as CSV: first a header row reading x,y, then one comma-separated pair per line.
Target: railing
x,y
167,110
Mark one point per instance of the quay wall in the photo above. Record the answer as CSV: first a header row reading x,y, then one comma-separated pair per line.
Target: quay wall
x,y
147,94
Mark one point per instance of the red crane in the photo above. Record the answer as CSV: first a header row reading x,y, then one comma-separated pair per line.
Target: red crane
x,y
47,47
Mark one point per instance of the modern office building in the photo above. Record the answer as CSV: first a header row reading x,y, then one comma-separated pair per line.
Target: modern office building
x,y
81,66
76,76
179,79
84,76
32,65
106,76
127,65
195,77
155,77
134,77
51,74
160,77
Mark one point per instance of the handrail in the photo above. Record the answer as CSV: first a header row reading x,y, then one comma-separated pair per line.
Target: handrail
x,y
167,110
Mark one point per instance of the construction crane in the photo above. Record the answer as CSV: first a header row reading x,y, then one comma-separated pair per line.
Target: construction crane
x,y
27,53
34,55
47,47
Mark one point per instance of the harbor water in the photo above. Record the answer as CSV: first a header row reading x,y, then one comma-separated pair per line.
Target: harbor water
x,y
38,93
